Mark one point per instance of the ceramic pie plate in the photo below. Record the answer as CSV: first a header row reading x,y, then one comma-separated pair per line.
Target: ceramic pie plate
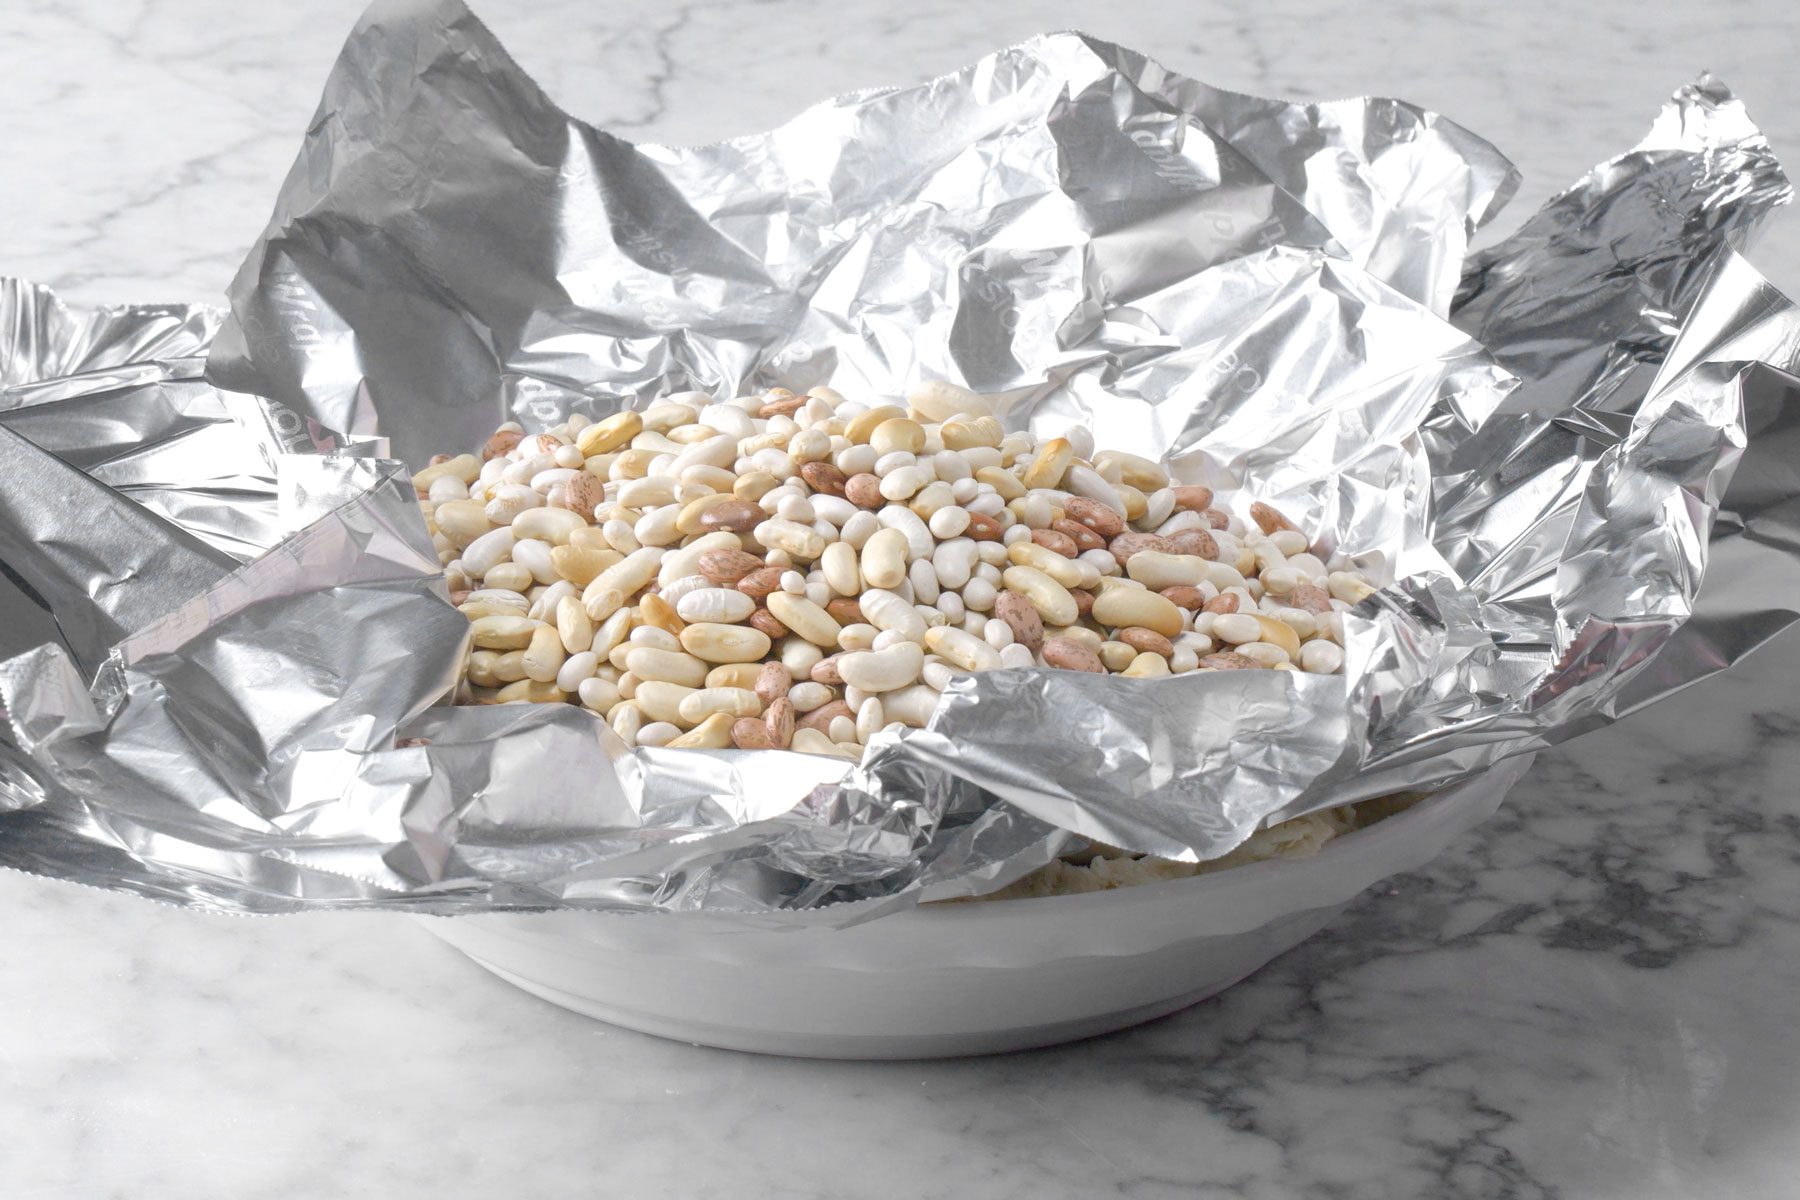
x,y
957,979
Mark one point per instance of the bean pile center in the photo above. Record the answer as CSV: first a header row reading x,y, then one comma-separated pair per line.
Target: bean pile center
x,y
801,572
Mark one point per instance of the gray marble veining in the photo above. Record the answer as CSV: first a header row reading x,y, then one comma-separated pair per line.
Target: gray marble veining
x,y
1592,997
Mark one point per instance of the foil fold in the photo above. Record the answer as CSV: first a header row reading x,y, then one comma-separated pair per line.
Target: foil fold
x,y
1569,461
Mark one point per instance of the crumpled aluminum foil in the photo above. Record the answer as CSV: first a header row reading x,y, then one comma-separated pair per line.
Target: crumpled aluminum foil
x,y
246,712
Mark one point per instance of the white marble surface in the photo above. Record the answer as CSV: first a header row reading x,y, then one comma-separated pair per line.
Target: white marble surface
x,y
1594,997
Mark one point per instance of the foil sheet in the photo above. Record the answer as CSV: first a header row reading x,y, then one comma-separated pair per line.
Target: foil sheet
x,y
1568,460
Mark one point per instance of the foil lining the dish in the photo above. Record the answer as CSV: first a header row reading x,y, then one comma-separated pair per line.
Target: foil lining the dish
x,y
1568,458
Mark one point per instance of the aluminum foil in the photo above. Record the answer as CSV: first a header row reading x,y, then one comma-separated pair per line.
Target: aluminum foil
x,y
1577,486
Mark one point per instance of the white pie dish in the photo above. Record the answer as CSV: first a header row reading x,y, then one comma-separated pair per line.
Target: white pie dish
x,y
958,979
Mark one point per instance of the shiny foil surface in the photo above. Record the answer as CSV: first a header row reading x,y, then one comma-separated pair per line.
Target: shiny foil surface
x,y
1570,459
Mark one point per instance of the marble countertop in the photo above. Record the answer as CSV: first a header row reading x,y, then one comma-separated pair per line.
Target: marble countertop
x,y
1594,996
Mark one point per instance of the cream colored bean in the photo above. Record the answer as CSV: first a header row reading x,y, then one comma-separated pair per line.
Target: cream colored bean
x,y
1321,657
626,577
714,733
602,604
801,541
1289,541
612,633
979,595
652,491
910,706
1116,656
883,559
962,648
870,717
1156,570
1050,598
665,666
465,467
502,632
462,521
1351,589
804,618
799,656
618,535
1236,628
795,507
685,561
897,666
940,401
949,521
923,578
653,636
499,597
839,565
1280,580
658,733
858,637
488,551
719,451
551,525
573,625
928,500
902,482
1147,666
673,591
556,476
714,605
919,542
544,655
661,700
1122,608
446,487
1266,653
725,643
809,695
887,611
954,561
596,694
811,741
735,702
626,719
543,607
1157,508
1221,575
1084,481
658,527
1309,566
575,669
1065,571
534,556
1015,656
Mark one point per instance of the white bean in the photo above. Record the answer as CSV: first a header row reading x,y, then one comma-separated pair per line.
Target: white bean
x,y
953,561
949,521
809,695
577,669
883,670
919,542
534,556
887,611
488,551
1321,657
714,605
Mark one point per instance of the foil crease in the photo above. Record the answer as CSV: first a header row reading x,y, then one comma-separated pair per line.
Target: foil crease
x,y
1569,461
1582,303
